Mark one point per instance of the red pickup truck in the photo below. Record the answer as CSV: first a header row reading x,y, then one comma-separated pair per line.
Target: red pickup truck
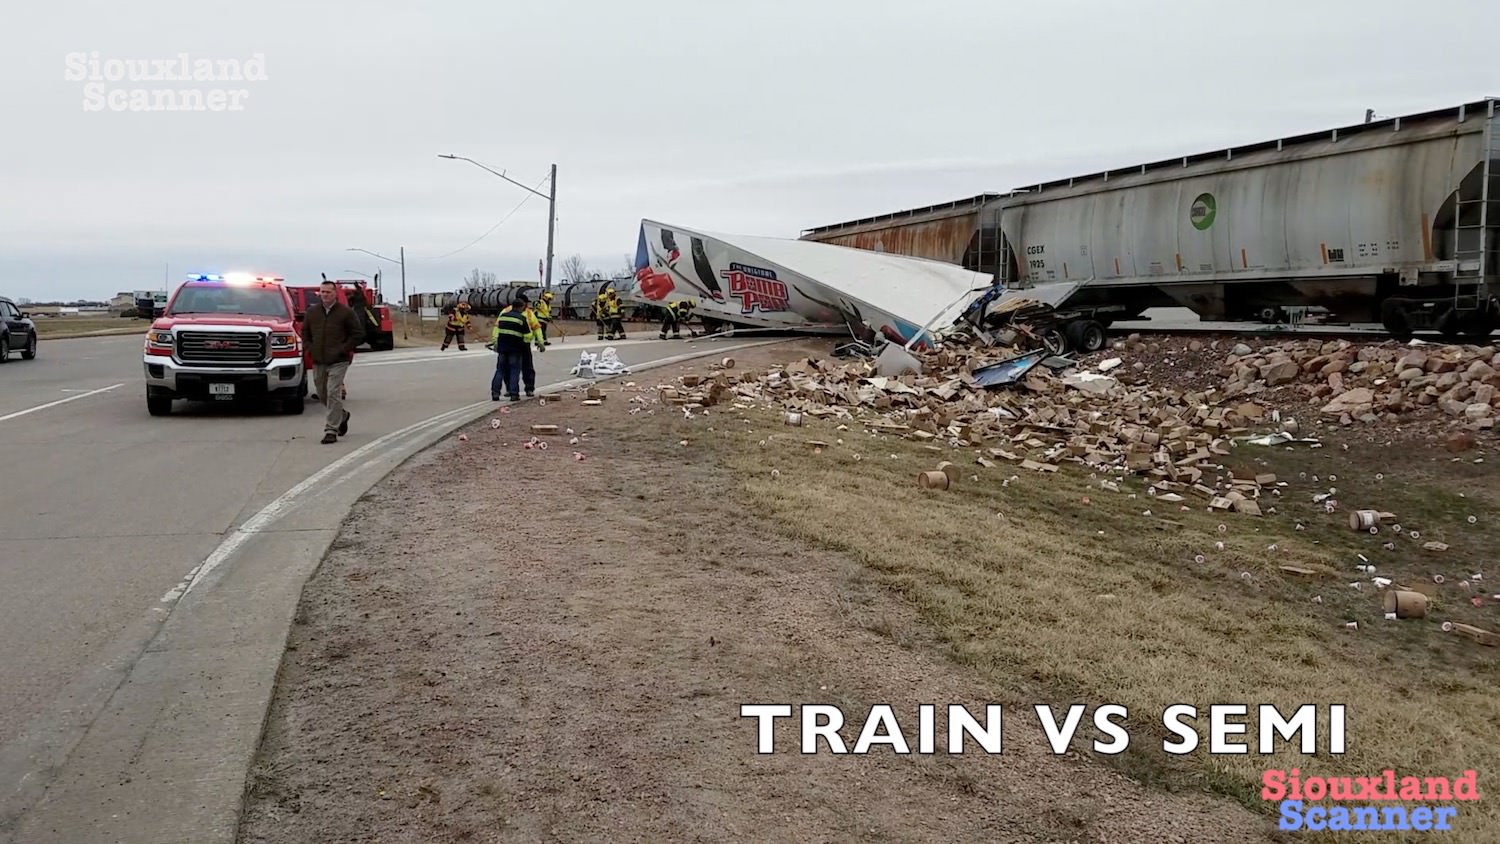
x,y
226,338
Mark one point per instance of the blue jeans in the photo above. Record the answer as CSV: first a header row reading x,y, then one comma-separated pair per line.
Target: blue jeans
x,y
513,369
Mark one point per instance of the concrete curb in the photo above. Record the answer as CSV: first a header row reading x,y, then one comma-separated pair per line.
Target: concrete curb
x,y
161,747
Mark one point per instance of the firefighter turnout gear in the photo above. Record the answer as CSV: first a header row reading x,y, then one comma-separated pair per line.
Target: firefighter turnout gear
x,y
600,312
612,313
516,331
544,315
458,323
677,314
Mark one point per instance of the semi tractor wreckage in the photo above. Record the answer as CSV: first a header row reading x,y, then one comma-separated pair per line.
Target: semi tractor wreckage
x,y
1391,221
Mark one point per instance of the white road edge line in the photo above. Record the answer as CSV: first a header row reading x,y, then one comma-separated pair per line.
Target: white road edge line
x,y
272,511
269,514
20,413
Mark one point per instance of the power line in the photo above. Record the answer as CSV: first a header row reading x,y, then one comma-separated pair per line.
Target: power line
x,y
492,228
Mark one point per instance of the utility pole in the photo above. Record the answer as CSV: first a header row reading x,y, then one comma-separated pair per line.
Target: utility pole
x,y
551,225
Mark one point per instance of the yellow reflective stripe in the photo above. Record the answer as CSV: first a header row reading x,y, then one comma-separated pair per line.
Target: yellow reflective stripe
x,y
516,323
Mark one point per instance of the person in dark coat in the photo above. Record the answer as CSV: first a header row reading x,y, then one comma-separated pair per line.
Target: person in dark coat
x,y
331,331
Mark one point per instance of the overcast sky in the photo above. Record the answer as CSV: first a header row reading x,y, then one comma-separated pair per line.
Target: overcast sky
x,y
761,118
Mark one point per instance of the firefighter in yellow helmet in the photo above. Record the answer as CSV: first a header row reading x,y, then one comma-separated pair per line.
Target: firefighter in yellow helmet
x,y
458,323
600,312
612,313
544,314
678,313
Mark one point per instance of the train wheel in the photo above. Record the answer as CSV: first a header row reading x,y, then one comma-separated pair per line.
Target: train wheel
x,y
1480,325
1086,335
1393,318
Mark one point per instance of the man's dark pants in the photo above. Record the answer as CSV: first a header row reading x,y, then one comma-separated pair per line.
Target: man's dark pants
x,y
513,370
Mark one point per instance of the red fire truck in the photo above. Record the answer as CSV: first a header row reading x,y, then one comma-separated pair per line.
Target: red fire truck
x,y
380,332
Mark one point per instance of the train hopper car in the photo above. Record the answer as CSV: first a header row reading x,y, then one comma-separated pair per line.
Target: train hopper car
x,y
1390,221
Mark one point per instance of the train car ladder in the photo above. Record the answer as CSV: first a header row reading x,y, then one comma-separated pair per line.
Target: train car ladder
x,y
1472,223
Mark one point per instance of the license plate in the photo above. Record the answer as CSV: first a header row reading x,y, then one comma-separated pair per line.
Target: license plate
x,y
221,389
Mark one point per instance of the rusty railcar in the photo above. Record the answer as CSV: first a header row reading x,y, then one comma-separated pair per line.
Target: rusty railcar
x,y
952,232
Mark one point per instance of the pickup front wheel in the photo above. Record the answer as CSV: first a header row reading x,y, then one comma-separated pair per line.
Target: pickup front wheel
x,y
159,405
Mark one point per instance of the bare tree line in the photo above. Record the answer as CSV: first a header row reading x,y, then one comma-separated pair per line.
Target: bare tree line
x,y
574,268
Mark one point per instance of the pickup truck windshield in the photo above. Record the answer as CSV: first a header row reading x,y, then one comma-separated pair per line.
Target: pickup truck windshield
x,y
249,301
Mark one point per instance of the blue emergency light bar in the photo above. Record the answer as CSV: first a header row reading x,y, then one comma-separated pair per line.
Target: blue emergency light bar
x,y
232,277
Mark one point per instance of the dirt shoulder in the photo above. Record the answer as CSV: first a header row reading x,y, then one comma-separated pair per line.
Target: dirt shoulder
x,y
510,644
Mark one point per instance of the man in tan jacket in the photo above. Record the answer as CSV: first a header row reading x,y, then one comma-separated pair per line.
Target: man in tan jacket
x,y
331,331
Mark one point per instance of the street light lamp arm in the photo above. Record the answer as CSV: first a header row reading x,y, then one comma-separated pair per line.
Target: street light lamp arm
x,y
377,255
501,175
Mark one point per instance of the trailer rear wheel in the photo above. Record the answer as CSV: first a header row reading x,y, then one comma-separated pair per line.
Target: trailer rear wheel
x,y
1086,335
1053,340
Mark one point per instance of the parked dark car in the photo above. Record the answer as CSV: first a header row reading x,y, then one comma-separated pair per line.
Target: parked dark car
x,y
17,331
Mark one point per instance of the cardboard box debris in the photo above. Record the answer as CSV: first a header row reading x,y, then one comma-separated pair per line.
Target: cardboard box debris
x,y
1123,422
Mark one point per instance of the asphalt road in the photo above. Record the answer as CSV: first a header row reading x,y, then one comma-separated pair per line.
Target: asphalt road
x,y
108,511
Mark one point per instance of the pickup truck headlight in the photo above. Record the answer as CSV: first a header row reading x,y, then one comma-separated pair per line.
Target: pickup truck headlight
x,y
283,341
159,339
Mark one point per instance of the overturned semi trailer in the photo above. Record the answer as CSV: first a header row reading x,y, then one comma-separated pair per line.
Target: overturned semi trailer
x,y
781,284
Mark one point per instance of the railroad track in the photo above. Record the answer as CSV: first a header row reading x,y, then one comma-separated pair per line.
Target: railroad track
x,y
1372,333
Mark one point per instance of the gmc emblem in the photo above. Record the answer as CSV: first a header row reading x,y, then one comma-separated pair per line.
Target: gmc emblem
x,y
218,344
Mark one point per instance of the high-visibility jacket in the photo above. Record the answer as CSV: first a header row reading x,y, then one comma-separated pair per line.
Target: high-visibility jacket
x,y
458,321
544,310
613,305
515,328
601,306
681,310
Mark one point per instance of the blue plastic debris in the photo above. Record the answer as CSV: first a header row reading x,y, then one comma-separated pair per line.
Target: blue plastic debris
x,y
1008,371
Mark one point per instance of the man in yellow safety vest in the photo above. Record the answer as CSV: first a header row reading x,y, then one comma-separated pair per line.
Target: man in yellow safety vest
x,y
516,331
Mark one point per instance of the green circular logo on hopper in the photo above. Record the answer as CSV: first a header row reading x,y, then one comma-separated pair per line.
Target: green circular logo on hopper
x,y
1202,211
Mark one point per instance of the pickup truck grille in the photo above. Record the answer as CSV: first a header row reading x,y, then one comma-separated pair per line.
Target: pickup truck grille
x,y
222,348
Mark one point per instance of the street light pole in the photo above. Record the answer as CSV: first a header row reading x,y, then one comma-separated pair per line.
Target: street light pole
x,y
550,196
